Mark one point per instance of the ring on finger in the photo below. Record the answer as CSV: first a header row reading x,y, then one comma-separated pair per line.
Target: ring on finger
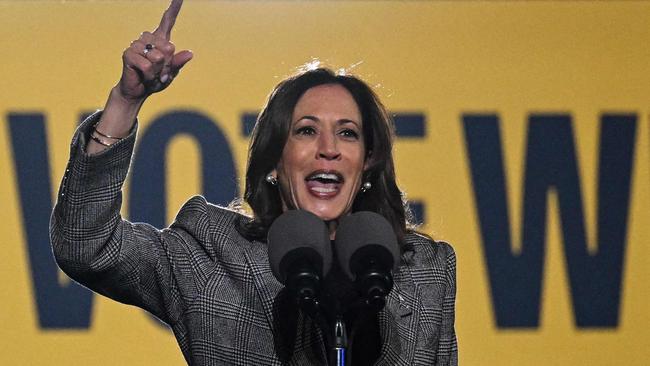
x,y
147,48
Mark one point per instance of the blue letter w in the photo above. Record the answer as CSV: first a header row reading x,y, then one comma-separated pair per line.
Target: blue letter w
x,y
551,164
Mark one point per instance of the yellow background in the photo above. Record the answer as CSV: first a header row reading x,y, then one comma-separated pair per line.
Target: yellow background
x,y
439,58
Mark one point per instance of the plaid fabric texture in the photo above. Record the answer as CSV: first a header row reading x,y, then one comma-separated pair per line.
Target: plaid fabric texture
x,y
215,289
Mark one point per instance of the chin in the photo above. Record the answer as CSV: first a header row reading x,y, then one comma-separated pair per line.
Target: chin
x,y
326,210
325,214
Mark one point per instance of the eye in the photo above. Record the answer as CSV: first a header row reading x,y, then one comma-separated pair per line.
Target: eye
x,y
305,130
350,134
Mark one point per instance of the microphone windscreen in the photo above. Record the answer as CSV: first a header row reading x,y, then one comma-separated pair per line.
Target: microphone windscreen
x,y
364,234
298,235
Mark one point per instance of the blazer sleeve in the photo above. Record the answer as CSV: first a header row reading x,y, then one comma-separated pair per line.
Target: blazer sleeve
x,y
447,353
96,247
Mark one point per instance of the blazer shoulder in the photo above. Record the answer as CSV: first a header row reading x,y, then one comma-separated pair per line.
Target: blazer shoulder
x,y
427,251
197,211
209,224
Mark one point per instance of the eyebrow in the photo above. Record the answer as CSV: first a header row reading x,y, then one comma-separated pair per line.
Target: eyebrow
x,y
340,121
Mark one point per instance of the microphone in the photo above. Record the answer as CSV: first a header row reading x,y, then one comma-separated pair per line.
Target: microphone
x,y
367,251
300,254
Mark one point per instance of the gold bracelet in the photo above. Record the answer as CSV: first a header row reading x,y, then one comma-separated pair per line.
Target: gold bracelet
x,y
105,135
98,140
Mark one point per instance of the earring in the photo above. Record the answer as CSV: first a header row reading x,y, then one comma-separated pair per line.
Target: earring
x,y
270,179
366,187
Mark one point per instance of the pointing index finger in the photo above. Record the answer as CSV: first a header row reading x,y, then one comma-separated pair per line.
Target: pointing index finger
x,y
168,19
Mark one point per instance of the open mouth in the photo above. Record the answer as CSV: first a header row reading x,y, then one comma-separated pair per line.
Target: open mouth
x,y
324,184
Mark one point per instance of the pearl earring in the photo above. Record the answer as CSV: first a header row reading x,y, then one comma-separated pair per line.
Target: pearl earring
x,y
270,179
366,187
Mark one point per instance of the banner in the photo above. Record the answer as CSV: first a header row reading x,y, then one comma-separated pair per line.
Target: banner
x,y
522,139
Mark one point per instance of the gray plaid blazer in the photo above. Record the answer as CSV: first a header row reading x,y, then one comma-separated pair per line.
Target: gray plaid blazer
x,y
215,289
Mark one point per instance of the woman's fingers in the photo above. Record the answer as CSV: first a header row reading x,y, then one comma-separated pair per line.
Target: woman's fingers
x,y
157,60
162,57
150,62
135,61
145,57
152,56
179,60
168,19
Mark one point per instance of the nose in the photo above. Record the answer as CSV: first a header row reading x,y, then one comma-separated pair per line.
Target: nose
x,y
328,147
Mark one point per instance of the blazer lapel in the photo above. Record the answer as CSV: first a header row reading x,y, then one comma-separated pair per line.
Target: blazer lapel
x,y
266,284
398,321
297,338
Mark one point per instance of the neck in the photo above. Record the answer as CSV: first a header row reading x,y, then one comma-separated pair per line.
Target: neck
x,y
332,225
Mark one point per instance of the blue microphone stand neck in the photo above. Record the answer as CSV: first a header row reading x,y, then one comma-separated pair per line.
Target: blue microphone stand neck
x,y
340,342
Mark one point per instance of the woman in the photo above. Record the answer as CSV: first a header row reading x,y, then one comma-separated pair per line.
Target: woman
x,y
322,144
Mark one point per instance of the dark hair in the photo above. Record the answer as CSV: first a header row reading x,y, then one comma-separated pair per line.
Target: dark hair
x,y
271,133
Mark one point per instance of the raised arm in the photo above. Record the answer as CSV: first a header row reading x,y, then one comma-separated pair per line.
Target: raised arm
x,y
91,242
149,65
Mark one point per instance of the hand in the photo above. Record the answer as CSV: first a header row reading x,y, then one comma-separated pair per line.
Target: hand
x,y
143,74
149,64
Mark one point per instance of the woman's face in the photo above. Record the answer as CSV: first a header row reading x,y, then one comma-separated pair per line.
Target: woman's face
x,y
323,160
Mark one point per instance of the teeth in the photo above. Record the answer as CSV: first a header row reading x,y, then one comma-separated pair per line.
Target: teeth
x,y
323,189
328,176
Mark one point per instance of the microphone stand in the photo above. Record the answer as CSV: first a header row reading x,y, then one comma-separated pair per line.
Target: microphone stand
x,y
338,334
340,344
373,285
